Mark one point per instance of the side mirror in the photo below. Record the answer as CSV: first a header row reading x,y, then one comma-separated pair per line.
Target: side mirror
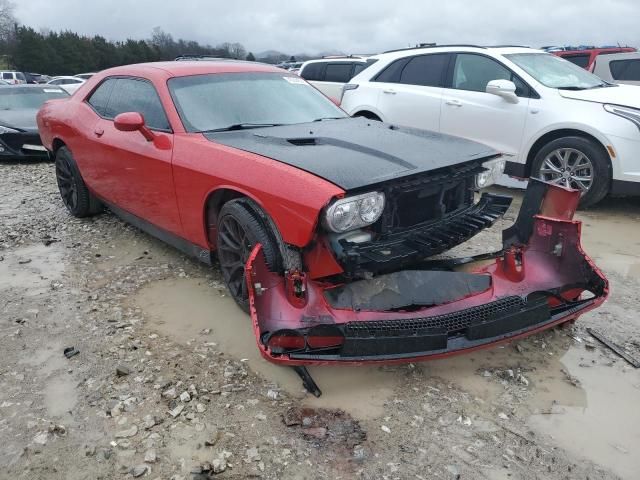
x,y
132,122
503,88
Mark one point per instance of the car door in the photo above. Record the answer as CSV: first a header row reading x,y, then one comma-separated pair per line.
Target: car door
x,y
410,90
131,172
469,111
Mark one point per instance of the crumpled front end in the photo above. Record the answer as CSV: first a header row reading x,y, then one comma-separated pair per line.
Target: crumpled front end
x,y
541,278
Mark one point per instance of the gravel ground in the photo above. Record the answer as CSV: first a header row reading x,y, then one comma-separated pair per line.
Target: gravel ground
x,y
167,383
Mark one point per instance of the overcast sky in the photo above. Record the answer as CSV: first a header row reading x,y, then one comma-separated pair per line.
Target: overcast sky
x,y
351,26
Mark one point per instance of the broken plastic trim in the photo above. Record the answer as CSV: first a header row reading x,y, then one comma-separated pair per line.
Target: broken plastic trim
x,y
536,283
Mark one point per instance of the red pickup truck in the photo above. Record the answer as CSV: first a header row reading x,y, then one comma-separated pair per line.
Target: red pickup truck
x,y
586,57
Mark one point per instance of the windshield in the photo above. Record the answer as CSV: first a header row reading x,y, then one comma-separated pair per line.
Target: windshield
x,y
555,72
219,101
16,98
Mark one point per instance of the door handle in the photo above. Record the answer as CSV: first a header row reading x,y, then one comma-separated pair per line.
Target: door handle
x,y
390,91
99,132
454,103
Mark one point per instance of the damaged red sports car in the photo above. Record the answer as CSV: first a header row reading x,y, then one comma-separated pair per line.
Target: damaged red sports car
x,y
323,225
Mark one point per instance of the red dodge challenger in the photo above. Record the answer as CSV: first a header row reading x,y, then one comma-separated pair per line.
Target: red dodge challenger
x,y
323,224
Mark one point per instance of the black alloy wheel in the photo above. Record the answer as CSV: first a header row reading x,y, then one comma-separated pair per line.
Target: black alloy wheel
x,y
240,228
74,192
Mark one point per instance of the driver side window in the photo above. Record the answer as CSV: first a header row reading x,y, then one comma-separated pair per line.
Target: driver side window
x,y
119,95
473,72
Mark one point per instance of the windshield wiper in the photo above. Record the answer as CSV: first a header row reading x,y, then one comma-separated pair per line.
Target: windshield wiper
x,y
604,85
572,87
328,118
241,126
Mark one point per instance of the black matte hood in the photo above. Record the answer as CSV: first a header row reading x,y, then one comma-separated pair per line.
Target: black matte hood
x,y
355,152
19,119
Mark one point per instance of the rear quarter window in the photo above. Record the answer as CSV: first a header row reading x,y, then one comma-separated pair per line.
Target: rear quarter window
x,y
313,71
625,69
100,97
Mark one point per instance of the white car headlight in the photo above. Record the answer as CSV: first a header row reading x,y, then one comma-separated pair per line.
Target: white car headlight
x,y
631,114
4,130
354,212
493,170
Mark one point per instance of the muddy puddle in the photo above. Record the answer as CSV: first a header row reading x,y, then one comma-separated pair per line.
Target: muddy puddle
x,y
59,392
612,240
182,308
606,427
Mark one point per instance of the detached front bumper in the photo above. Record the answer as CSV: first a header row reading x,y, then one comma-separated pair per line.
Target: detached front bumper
x,y
541,278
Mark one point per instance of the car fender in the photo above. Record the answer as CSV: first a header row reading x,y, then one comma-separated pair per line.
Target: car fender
x,y
365,108
577,126
292,197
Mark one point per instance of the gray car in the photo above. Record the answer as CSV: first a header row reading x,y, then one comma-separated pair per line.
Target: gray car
x,y
19,104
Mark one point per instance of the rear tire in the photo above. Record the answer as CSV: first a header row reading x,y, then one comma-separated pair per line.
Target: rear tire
x,y
578,163
239,230
74,192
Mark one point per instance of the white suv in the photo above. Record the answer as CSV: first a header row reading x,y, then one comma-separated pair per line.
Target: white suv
x,y
330,74
550,118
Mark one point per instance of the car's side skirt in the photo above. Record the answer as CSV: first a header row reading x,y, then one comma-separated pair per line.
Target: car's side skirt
x,y
185,246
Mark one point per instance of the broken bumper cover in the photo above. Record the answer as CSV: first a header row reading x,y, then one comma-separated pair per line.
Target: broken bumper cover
x,y
540,279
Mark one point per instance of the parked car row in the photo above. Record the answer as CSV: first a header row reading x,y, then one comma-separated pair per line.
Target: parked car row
x,y
12,77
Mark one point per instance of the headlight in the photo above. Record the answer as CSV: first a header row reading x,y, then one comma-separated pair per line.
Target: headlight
x,y
631,114
4,130
354,212
494,168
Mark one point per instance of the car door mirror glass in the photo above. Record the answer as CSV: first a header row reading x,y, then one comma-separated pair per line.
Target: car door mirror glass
x,y
503,88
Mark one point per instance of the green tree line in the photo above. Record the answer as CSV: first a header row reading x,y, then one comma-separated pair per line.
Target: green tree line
x,y
67,53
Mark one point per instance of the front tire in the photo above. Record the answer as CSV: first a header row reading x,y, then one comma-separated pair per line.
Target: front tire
x,y
578,163
74,192
239,230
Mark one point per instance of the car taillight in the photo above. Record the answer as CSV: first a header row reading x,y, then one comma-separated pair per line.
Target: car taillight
x,y
283,341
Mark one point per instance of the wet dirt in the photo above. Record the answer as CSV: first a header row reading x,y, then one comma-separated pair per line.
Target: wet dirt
x,y
30,270
184,308
125,299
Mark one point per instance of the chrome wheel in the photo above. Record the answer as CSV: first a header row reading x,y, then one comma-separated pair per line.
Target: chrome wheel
x,y
568,167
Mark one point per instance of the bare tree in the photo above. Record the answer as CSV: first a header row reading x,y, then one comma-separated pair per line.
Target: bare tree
x,y
161,39
233,50
7,21
237,51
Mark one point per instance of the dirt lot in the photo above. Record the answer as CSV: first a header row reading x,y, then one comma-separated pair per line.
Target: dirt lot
x,y
168,384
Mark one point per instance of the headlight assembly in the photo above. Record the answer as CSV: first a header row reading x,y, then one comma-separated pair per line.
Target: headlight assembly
x,y
354,212
493,170
631,114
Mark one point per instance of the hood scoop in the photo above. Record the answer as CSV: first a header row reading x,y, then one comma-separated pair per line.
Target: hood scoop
x,y
303,142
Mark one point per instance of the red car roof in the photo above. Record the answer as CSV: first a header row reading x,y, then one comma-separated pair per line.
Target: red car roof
x,y
184,68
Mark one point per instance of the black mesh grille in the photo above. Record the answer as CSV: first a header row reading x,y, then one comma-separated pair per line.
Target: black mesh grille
x,y
450,323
